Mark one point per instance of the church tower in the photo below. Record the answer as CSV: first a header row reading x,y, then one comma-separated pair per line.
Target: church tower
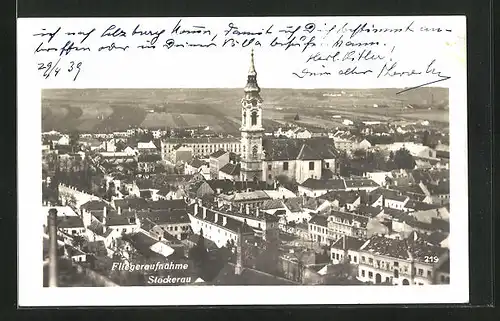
x,y
251,128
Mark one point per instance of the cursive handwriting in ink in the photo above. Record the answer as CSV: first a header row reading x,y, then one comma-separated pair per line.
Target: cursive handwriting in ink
x,y
196,29
354,71
364,28
112,47
113,31
69,47
45,33
391,71
245,43
318,57
291,30
156,34
81,33
170,43
307,73
429,70
234,30
40,48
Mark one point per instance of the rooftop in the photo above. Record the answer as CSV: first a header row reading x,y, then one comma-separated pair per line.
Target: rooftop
x,y
348,243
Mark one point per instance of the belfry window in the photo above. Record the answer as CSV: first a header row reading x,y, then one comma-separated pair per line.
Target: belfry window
x,y
255,149
254,118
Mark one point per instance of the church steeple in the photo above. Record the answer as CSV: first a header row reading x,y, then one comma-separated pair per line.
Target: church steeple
x,y
251,127
252,88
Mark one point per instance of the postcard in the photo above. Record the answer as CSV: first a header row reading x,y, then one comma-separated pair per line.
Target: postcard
x,y
242,161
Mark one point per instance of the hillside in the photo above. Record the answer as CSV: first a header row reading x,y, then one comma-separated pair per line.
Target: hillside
x,y
89,110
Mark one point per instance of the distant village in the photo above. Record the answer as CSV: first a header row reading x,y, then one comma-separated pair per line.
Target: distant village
x,y
365,203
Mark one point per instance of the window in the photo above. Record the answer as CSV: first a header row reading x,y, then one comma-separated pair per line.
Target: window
x,y
396,264
363,259
337,256
254,118
327,165
269,167
363,273
349,258
270,176
396,273
429,273
311,166
285,166
420,272
355,259
370,260
370,275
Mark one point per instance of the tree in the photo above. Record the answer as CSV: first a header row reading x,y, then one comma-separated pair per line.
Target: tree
x,y
296,118
425,138
403,159
74,138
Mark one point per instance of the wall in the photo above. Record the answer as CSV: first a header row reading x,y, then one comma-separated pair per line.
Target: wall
x,y
302,171
80,196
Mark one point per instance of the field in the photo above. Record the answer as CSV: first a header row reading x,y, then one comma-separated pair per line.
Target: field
x,y
90,110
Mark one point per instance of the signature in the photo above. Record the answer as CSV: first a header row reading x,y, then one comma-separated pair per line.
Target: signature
x,y
392,71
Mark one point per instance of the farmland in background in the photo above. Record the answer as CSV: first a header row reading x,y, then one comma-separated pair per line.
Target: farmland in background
x,y
107,110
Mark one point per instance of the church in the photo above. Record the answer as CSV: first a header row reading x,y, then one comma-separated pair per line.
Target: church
x,y
267,159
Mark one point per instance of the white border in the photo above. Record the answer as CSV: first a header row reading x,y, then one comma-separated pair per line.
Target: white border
x,y
151,72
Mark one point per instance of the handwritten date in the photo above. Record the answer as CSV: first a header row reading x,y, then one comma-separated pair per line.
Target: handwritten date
x,y
52,69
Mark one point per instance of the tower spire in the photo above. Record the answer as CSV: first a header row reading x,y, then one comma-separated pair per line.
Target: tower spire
x,y
251,70
252,87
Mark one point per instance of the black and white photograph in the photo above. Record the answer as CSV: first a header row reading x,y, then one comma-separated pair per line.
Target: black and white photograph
x,y
296,154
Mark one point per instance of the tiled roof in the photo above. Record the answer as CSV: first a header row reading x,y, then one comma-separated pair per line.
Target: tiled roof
x,y
142,243
272,204
369,211
250,196
167,204
218,153
356,183
319,220
197,163
305,149
231,169
165,216
324,184
133,203
69,222
95,205
351,243
420,206
294,204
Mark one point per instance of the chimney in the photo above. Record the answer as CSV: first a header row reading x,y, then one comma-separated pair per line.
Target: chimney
x,y
257,212
195,209
247,209
119,210
216,217
52,225
104,215
239,255
224,220
204,212
230,207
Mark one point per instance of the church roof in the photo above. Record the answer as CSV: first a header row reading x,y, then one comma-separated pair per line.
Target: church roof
x,y
317,148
